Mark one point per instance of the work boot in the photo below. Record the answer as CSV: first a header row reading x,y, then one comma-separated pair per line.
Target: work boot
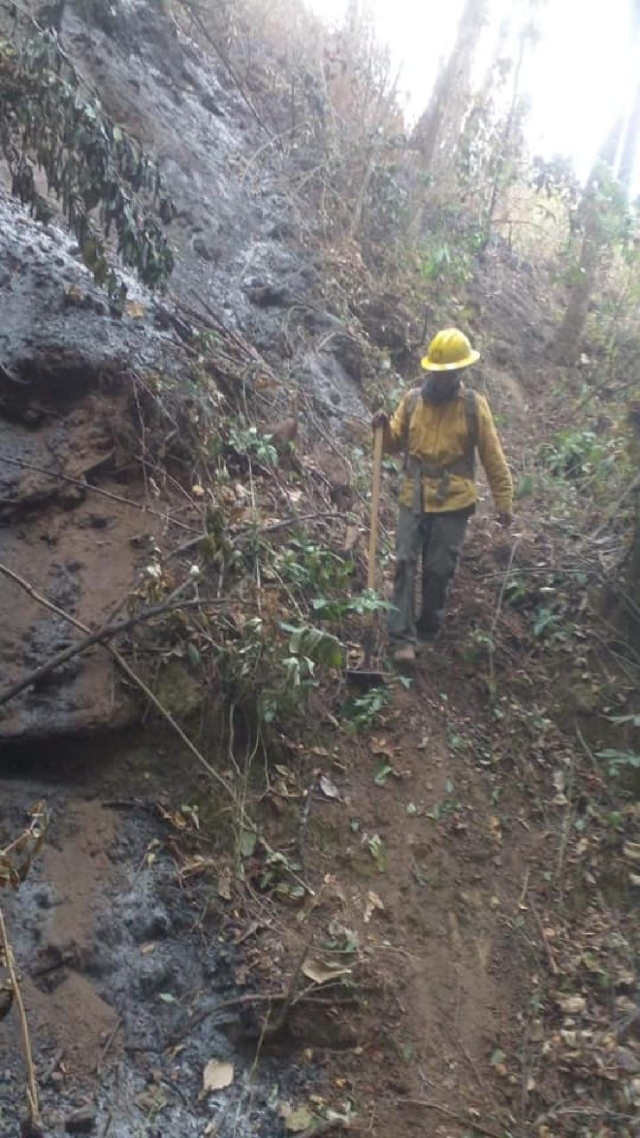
x,y
404,655
428,631
424,643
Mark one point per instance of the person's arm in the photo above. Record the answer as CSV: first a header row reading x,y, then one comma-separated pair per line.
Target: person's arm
x,y
395,429
494,462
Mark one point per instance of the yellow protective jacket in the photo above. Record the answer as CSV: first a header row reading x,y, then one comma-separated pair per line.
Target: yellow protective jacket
x,y
436,439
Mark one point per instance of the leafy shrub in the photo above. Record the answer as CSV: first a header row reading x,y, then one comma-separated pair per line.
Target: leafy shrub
x,y
361,712
580,455
90,164
620,761
249,442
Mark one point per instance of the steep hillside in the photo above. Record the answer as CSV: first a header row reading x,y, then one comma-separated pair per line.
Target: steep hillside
x,y
268,902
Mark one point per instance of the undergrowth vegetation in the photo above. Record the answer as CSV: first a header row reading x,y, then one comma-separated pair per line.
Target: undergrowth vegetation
x,y
272,606
103,180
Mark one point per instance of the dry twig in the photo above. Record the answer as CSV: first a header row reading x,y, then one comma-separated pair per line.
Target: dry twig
x,y
545,940
496,618
35,1118
96,490
470,1123
107,632
246,531
133,676
247,998
288,1000
108,1045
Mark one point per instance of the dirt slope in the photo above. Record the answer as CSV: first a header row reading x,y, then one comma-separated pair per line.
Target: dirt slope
x,y
438,905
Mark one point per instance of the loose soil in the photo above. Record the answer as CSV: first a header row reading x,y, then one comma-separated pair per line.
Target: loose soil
x,y
444,875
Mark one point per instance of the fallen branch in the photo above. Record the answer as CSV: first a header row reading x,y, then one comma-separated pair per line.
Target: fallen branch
x,y
24,848
108,1045
545,940
613,510
95,490
35,1118
461,1119
587,1112
196,11
108,632
194,542
284,997
289,997
235,1001
496,618
133,676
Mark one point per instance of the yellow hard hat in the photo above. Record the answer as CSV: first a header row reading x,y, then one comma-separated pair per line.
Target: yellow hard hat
x,y
449,349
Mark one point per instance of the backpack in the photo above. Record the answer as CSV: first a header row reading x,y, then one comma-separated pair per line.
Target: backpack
x,y
470,410
464,466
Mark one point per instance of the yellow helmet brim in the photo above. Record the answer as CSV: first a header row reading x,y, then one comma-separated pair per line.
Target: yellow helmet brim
x,y
428,365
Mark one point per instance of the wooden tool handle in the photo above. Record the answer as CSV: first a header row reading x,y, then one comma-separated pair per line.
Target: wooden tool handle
x,y
378,440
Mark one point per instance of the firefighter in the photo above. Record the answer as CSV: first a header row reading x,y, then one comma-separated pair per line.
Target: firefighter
x,y
439,426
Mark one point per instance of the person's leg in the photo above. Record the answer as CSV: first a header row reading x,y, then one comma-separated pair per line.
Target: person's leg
x,y
401,622
440,556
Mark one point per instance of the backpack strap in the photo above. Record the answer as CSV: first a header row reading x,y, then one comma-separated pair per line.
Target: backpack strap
x,y
411,404
464,466
471,413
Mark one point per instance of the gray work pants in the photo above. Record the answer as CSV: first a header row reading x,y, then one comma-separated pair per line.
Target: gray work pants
x,y
438,539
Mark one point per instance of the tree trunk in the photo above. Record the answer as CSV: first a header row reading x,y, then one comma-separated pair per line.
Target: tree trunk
x,y
505,142
450,84
569,335
633,578
632,132
630,145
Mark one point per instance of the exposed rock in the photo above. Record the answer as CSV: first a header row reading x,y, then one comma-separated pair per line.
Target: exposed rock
x,y
82,1121
65,392
66,360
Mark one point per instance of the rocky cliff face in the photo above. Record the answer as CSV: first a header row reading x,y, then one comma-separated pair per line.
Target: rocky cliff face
x,y
73,375
68,439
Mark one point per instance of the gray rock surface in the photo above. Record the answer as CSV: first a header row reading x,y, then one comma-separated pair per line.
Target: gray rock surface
x,y
67,363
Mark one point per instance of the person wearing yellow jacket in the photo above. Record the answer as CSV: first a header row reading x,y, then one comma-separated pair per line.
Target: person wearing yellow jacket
x,y
439,427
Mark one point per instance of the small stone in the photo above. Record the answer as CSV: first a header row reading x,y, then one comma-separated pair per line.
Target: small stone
x,y
206,249
571,1005
154,975
82,1121
628,1061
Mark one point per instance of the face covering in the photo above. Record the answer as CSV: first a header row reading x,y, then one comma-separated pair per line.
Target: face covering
x,y
441,387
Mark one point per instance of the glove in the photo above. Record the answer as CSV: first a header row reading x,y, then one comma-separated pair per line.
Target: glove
x,y
380,419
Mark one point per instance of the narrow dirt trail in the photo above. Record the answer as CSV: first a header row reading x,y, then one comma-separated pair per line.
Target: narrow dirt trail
x,y
432,853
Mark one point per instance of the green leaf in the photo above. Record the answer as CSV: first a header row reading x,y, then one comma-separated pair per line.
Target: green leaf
x,y
382,775
248,842
377,851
